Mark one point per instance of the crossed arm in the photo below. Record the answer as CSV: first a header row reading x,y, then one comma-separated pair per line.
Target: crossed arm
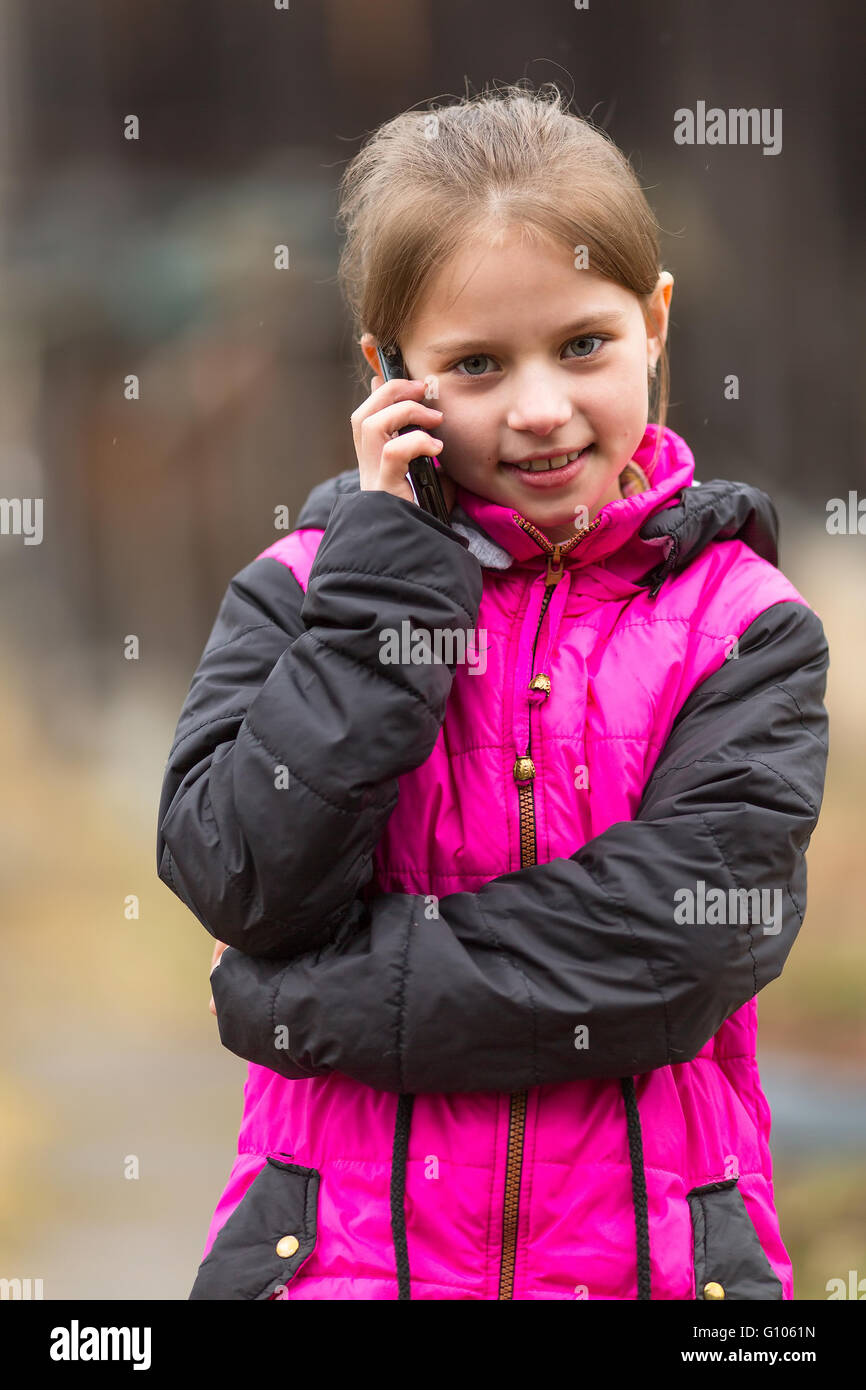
x,y
488,995
321,976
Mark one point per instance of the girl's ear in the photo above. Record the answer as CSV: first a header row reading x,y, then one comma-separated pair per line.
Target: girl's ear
x,y
657,314
368,347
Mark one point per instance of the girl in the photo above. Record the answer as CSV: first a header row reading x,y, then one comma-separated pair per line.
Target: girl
x,y
497,920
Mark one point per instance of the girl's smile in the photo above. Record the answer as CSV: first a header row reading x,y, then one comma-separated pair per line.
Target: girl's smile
x,y
531,359
550,472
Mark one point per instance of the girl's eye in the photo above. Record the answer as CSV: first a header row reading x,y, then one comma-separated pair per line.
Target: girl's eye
x,y
592,339
479,357
483,357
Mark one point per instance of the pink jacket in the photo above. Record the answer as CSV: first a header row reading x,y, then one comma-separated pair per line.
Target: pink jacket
x,y
638,1183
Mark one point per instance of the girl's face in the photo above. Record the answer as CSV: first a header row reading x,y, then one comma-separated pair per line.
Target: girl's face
x,y
532,357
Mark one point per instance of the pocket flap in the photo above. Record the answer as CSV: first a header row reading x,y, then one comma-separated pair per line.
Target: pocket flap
x,y
279,1208
728,1251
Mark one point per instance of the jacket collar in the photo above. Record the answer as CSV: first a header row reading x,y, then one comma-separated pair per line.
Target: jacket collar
x,y
644,538
618,522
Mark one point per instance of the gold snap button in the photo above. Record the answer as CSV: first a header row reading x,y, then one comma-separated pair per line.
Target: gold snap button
x,y
713,1290
287,1246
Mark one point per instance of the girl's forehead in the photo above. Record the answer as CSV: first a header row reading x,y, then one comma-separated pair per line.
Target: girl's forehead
x,y
500,289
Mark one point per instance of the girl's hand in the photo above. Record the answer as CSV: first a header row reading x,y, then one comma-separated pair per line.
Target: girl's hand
x,y
214,960
383,454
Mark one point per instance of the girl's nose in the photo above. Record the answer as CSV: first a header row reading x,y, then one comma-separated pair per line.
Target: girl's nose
x,y
539,410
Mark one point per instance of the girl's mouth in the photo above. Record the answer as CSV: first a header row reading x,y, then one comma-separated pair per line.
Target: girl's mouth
x,y
556,476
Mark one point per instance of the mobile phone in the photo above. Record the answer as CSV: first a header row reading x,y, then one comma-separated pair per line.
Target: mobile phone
x,y
423,473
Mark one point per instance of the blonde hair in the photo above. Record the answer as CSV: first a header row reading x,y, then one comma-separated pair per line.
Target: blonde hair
x,y
427,182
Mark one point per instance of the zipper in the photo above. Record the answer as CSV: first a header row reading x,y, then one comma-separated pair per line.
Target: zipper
x,y
554,555
524,773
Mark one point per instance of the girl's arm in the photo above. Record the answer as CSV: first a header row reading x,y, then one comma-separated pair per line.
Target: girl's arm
x,y
278,787
490,995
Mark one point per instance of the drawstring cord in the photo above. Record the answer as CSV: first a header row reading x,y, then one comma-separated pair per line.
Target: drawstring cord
x,y
638,1187
398,1193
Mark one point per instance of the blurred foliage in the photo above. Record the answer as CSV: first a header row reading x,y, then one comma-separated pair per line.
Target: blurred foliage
x,y
822,1208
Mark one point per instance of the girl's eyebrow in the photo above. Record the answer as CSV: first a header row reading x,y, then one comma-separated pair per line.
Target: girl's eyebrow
x,y
596,318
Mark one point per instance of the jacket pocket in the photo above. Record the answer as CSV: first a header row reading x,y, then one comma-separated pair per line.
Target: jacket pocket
x,y
728,1253
267,1238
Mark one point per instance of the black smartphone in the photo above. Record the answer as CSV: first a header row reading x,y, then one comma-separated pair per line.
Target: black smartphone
x,y
423,473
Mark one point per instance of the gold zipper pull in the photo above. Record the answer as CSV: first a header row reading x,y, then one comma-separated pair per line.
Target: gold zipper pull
x,y
541,682
554,566
524,769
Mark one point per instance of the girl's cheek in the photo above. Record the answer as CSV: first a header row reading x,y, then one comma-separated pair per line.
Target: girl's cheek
x,y
467,433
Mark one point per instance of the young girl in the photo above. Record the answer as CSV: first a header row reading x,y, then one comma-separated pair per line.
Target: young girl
x,y
504,821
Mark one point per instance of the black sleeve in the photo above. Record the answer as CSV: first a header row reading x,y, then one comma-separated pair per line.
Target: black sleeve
x,y
284,766
489,995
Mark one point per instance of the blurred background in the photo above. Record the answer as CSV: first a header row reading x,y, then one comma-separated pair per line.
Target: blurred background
x,y
155,256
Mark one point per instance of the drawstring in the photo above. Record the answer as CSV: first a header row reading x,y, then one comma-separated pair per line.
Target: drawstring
x,y
638,1187
398,1193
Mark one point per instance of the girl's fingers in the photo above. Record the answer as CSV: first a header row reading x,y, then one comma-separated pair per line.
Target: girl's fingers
x,y
384,454
398,454
403,448
384,423
385,394
219,947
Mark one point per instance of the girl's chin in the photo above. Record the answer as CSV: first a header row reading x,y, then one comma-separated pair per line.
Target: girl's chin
x,y
568,512
563,508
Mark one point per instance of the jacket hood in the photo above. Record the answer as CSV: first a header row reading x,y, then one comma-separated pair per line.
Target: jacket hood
x,y
645,538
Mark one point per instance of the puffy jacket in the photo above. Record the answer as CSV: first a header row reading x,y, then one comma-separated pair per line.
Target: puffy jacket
x,y
498,913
